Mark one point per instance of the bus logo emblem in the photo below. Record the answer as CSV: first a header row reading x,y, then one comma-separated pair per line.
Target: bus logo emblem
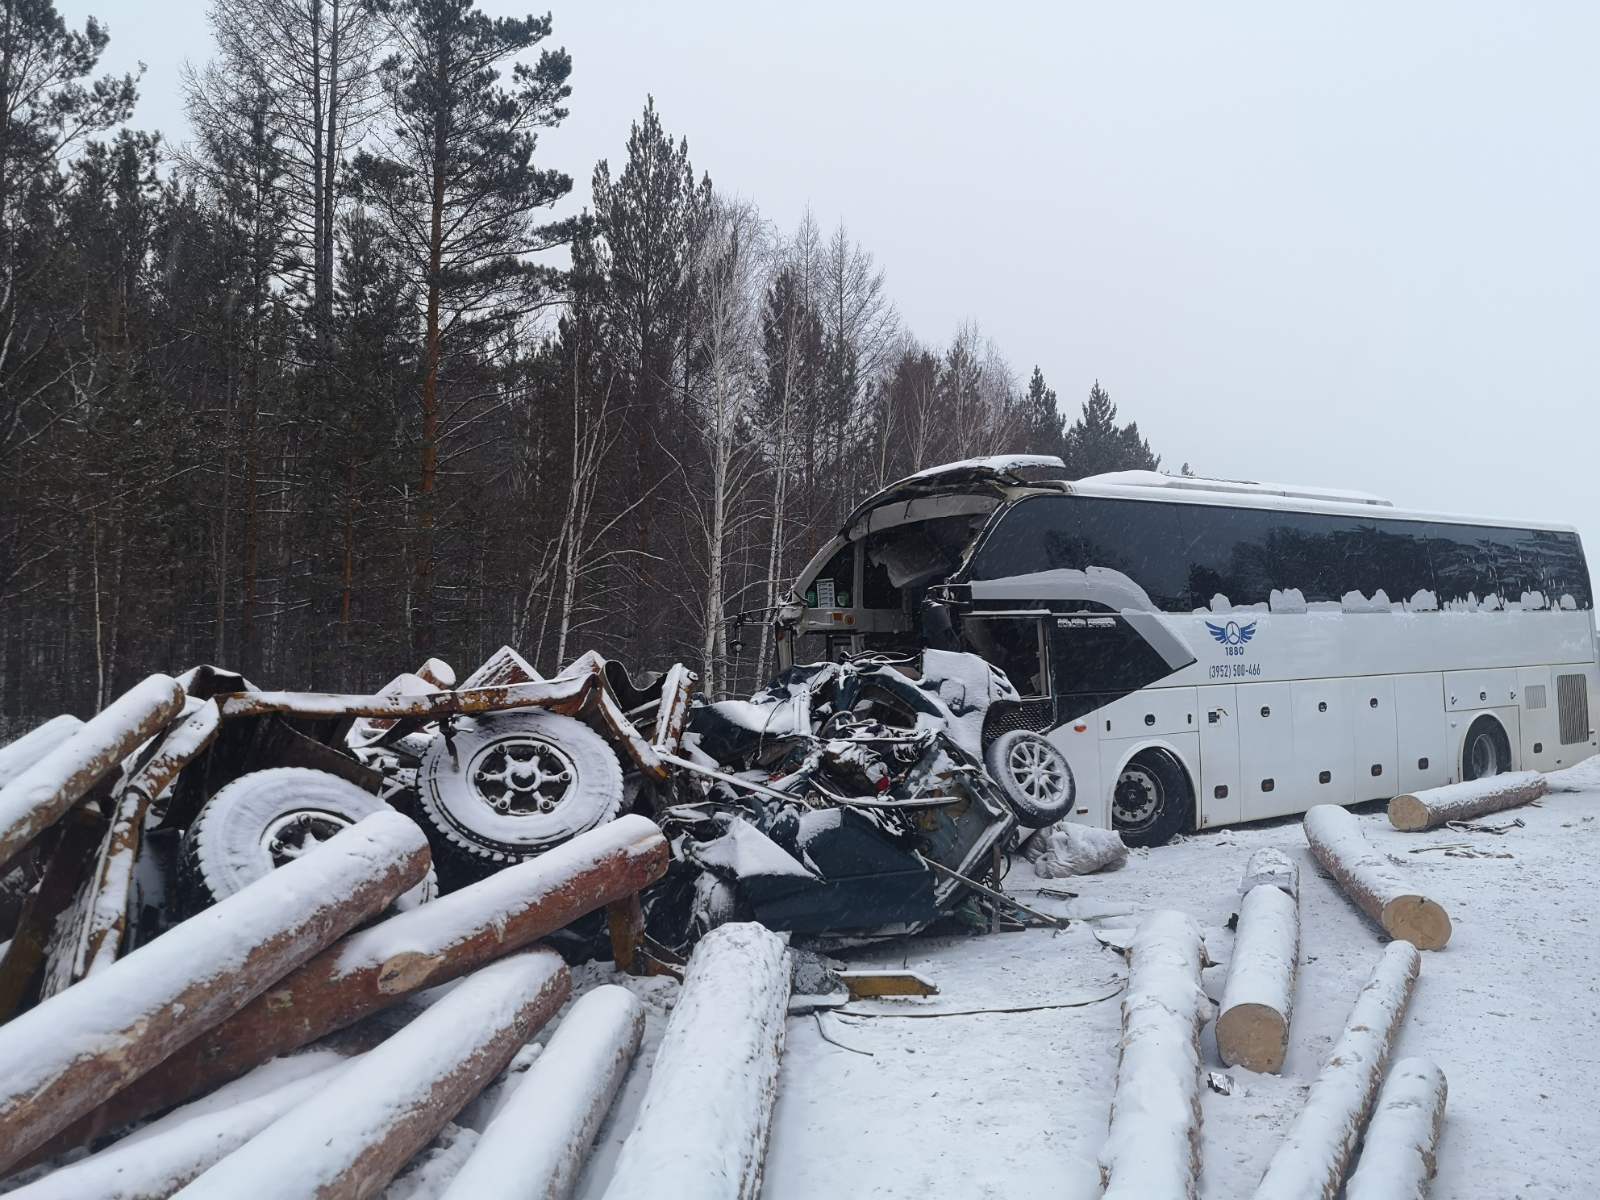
x,y
1232,634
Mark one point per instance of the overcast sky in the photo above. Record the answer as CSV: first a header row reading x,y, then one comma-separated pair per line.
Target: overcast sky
x,y
1350,245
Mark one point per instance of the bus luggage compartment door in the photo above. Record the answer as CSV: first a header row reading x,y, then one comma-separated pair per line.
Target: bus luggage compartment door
x,y
1219,796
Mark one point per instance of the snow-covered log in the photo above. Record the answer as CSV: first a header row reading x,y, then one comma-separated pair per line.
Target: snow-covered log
x,y
1268,865
1153,1145
105,916
1315,1154
1368,879
702,1127
36,798
535,1146
18,755
1399,1155
353,1136
375,968
1466,801
61,1058
1258,1000
159,1159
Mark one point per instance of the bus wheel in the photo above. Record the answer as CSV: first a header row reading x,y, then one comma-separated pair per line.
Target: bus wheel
x,y
1486,751
1152,799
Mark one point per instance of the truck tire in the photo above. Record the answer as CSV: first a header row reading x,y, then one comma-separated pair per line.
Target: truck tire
x,y
264,819
1152,800
508,786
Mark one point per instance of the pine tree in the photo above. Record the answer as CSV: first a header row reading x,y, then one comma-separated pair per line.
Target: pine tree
x,y
453,180
1096,443
1043,424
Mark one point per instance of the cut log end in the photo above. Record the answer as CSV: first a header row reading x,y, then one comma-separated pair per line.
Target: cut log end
x,y
1408,814
1417,920
1253,1036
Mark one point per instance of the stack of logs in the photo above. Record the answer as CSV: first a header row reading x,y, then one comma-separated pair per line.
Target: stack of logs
x,y
296,956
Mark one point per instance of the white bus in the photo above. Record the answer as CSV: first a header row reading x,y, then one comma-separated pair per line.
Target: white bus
x,y
1206,652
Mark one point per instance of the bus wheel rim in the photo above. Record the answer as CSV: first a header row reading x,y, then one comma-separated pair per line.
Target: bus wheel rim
x,y
1138,797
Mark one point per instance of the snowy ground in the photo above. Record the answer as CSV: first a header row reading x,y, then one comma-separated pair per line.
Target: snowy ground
x,y
1000,1085
945,1096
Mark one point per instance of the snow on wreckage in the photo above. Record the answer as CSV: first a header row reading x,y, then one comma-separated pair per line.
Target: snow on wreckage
x,y
601,815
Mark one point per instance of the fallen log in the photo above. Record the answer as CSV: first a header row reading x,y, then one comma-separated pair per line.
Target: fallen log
x,y
1399,1154
354,1135
379,967
1271,866
723,1045
18,755
1367,878
105,917
1153,1145
159,1159
1316,1152
537,1142
1258,999
1416,811
66,871
42,793
60,1059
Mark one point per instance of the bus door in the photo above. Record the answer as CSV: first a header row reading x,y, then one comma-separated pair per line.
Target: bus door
x,y
1219,799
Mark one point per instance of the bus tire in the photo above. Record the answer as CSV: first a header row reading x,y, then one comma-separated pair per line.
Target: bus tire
x,y
1152,799
1033,776
1486,750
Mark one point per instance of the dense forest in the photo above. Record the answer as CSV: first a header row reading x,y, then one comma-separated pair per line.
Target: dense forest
x,y
351,375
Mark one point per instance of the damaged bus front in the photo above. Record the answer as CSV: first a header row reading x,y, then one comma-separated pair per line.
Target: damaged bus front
x,y
950,559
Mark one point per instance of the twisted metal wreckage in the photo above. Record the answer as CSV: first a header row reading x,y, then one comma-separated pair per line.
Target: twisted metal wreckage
x,y
844,801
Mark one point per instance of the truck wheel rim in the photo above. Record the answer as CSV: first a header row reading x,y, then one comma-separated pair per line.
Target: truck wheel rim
x,y
297,833
522,776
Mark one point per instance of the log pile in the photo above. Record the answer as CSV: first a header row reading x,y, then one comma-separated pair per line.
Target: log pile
x,y
286,961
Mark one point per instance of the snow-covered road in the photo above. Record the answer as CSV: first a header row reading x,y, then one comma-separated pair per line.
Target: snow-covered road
x,y
1014,1105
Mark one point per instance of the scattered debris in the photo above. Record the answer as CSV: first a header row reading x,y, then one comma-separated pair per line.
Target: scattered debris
x,y
1485,827
1068,848
1220,1082
877,984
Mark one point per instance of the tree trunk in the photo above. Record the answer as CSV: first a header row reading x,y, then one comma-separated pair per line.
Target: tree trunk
x,y
1258,1001
1399,1155
1416,811
1370,882
352,1138
1153,1145
536,1144
161,1157
1316,1152
60,1059
724,1040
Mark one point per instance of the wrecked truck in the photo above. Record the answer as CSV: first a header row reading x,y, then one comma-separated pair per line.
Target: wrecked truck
x,y
843,801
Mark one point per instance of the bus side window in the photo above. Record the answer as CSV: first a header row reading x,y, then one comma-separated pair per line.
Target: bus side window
x,y
1016,646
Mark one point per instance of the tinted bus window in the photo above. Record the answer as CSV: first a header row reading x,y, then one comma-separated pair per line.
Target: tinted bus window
x,y
1463,559
1136,537
1562,570
1225,554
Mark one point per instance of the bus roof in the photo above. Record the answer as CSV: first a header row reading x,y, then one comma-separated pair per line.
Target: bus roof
x,y
1017,475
